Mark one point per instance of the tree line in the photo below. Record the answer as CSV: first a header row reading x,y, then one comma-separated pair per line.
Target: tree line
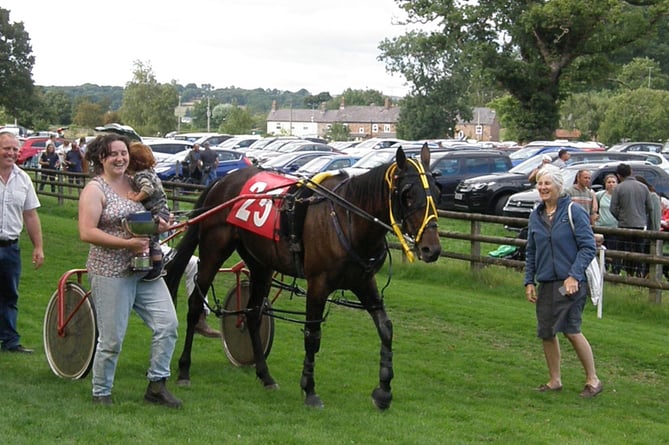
x,y
599,67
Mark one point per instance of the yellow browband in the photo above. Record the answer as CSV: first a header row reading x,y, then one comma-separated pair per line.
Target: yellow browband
x,y
430,208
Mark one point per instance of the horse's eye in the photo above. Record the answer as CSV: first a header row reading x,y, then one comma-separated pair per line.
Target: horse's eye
x,y
408,198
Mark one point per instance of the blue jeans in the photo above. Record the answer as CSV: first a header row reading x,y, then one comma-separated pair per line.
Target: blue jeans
x,y
114,298
10,272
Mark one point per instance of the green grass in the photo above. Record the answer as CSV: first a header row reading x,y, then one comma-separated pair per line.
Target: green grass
x,y
466,363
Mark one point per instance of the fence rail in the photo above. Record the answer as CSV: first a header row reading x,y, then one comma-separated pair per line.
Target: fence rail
x,y
68,185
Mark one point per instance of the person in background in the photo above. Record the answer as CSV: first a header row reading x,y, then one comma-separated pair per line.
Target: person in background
x,y
18,207
49,163
655,213
556,258
74,163
545,160
630,205
582,194
209,163
115,289
190,277
148,189
606,218
82,149
563,157
194,164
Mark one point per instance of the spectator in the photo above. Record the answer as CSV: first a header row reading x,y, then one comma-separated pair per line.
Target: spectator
x,y
556,257
193,164
209,163
630,205
606,218
545,160
582,194
563,157
655,214
18,207
115,289
49,163
74,163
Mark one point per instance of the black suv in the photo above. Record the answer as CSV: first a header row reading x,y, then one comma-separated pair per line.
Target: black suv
x,y
520,205
451,167
488,194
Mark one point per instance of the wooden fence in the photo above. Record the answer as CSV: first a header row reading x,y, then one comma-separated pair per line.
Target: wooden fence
x,y
68,185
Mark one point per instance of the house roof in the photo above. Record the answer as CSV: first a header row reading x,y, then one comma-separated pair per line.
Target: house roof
x,y
480,116
349,114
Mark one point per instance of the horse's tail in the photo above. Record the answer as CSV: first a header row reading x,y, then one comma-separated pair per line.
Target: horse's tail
x,y
184,250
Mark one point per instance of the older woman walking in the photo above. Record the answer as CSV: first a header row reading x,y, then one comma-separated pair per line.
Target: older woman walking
x,y
556,258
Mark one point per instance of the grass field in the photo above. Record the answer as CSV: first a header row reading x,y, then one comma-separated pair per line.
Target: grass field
x,y
466,364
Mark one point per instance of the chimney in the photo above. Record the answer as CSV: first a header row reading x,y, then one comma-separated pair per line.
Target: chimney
x,y
387,103
274,105
341,104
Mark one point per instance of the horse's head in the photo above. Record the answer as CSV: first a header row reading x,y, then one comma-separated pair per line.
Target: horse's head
x,y
413,212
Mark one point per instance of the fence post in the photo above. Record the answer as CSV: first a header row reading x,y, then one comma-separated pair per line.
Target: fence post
x,y
655,295
475,266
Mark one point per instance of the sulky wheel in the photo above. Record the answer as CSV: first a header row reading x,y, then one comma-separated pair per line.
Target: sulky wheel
x,y
236,338
70,355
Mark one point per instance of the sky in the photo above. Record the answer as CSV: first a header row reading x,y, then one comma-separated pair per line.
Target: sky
x,y
319,45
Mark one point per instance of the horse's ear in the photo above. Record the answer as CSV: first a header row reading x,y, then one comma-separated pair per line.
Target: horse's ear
x,y
425,156
401,159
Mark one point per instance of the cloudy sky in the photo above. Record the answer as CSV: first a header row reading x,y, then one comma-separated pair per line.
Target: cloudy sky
x,y
320,45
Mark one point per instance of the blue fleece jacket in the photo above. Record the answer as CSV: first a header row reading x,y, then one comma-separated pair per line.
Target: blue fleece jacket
x,y
555,252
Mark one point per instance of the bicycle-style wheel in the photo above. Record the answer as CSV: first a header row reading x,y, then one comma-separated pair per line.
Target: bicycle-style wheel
x,y
70,355
235,334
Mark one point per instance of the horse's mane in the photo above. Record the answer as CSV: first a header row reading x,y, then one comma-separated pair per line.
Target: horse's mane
x,y
372,183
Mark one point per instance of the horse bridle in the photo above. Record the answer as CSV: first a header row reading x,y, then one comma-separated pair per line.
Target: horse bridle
x,y
430,217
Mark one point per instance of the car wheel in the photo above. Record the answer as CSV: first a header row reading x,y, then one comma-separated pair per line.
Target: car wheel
x,y
500,202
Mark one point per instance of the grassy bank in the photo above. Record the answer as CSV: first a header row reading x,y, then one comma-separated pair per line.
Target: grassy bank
x,y
466,365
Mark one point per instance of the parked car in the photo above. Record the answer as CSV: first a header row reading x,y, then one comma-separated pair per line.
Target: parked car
x,y
451,167
653,147
520,205
326,163
32,149
527,152
295,146
228,160
368,145
291,162
163,147
239,142
200,138
257,149
489,193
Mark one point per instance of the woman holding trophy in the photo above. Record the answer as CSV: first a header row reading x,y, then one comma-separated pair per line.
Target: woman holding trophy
x,y
116,288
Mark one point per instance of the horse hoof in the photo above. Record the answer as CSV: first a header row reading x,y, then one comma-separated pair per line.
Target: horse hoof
x,y
313,401
381,399
272,387
183,383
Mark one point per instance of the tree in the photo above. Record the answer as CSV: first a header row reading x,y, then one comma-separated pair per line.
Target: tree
x,y
537,51
88,114
238,121
585,112
638,115
338,132
317,100
16,65
642,73
147,105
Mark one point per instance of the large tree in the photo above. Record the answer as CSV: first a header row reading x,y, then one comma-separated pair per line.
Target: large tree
x,y
536,50
16,64
147,105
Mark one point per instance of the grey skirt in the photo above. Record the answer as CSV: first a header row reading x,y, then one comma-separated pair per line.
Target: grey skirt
x,y
557,312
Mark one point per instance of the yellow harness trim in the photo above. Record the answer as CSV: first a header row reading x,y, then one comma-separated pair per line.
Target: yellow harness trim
x,y
430,208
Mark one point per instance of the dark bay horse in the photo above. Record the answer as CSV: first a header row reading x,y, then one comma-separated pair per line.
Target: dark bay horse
x,y
342,246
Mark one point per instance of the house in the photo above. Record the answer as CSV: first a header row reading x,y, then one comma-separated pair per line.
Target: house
x,y
363,121
484,125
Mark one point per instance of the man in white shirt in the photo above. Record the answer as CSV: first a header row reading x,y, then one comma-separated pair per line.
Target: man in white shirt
x,y
19,203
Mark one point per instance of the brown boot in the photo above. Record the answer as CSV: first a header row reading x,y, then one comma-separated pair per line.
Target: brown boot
x,y
157,393
203,328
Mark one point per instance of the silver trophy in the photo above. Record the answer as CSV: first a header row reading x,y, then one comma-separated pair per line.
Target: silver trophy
x,y
140,224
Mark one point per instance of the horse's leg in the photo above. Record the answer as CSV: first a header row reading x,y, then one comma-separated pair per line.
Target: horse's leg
x,y
370,298
259,286
316,298
211,258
